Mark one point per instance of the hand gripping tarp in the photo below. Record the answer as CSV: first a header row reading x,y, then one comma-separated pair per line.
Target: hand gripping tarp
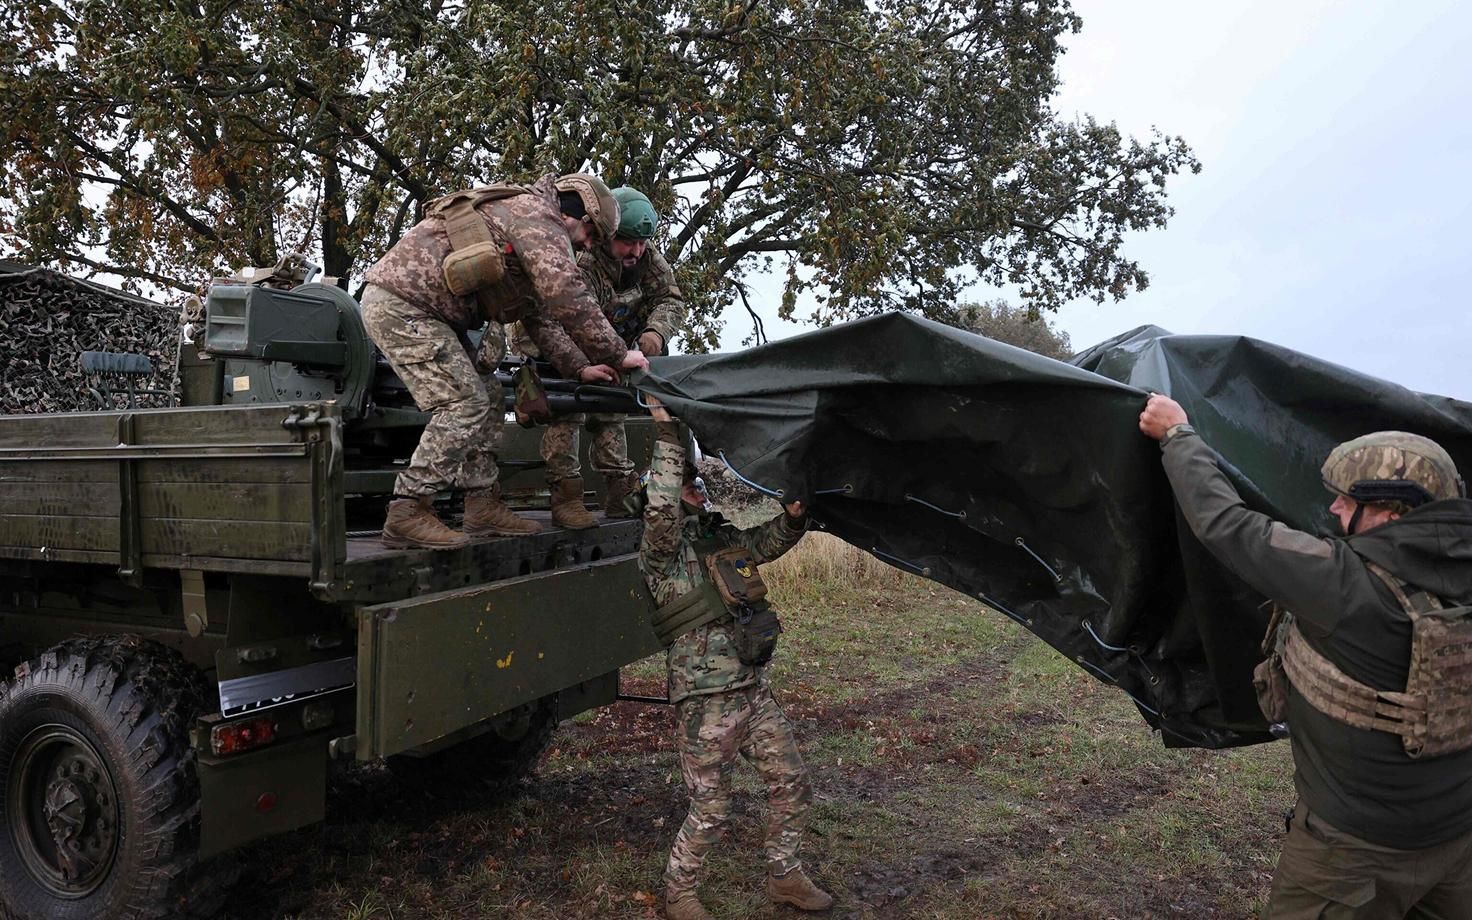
x,y
1025,482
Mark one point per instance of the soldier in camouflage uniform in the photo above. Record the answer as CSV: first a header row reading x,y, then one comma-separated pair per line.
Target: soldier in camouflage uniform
x,y
1382,735
725,708
636,289
523,240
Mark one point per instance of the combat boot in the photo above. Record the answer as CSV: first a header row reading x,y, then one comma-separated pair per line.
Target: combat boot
x,y
412,523
568,510
684,906
620,488
486,516
797,889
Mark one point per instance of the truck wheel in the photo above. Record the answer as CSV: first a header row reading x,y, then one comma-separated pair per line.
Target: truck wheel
x,y
99,801
499,758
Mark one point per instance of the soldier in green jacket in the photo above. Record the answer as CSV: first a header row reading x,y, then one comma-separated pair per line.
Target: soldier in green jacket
x,y
720,632
1378,668
635,287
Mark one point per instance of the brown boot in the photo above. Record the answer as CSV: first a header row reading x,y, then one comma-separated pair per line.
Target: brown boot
x,y
619,488
797,889
568,510
412,523
486,515
684,906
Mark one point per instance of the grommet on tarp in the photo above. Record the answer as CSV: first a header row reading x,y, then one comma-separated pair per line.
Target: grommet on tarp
x,y
922,569
958,515
1027,549
774,493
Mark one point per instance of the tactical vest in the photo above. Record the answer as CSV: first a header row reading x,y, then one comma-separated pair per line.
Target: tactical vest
x,y
477,263
734,589
1433,715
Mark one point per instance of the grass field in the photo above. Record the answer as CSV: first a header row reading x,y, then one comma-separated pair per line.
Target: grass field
x,y
962,769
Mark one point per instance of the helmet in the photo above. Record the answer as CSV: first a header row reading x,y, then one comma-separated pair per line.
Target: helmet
x,y
598,201
1390,467
637,219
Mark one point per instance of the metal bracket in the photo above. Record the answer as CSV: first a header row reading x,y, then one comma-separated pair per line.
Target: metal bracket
x,y
196,605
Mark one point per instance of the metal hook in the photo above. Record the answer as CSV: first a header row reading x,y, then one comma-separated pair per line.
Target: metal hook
x,y
958,515
1027,549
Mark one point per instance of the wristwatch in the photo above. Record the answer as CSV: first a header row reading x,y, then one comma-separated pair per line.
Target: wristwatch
x,y
1176,431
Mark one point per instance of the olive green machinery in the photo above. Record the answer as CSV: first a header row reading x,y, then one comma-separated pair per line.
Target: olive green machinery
x,y
197,615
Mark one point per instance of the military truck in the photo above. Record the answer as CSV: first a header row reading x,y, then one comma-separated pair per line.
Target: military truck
x,y
198,616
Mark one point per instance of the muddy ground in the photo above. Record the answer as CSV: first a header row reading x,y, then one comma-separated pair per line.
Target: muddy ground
x,y
962,770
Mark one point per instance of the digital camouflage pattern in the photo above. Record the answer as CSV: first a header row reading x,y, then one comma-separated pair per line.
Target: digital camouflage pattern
x,y
715,730
461,393
1391,456
608,454
541,279
725,708
640,299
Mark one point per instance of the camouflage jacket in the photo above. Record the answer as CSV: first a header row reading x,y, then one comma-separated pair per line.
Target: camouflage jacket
x,y
702,660
541,279
642,299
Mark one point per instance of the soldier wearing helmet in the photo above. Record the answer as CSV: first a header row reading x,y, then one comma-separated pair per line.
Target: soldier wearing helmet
x,y
1370,668
720,632
636,289
484,257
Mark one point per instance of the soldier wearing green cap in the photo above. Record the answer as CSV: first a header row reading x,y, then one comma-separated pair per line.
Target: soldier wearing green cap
x,y
1370,667
636,289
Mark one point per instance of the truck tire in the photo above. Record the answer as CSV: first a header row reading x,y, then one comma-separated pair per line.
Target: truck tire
x,y
498,758
99,801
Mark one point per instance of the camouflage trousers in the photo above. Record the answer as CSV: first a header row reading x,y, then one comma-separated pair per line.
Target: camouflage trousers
x,y
713,730
458,447
609,453
1326,873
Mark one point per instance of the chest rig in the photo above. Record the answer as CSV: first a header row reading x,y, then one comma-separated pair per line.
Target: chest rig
x,y
1432,716
733,589
478,264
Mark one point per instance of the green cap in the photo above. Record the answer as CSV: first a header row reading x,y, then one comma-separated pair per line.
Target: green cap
x,y
637,219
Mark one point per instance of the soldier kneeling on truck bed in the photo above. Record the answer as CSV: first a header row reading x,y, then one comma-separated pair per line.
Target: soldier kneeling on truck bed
x,y
492,255
721,632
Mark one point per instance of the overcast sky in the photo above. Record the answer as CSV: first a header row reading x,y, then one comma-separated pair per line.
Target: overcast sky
x,y
1335,193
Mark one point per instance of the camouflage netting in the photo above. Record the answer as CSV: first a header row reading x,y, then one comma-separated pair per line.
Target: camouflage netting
x,y
47,320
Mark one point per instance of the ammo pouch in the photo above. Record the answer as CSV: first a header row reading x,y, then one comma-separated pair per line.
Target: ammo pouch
x,y
755,634
736,577
531,407
1269,679
476,262
735,589
1433,715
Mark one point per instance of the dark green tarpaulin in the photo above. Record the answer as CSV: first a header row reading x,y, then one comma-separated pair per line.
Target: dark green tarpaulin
x,y
1025,482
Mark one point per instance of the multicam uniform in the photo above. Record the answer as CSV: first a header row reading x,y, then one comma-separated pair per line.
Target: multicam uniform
x,y
1375,833
642,299
725,708
421,328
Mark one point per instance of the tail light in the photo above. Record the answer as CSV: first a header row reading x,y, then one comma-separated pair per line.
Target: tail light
x,y
244,735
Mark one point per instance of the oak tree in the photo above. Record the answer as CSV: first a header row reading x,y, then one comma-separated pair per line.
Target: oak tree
x,y
877,154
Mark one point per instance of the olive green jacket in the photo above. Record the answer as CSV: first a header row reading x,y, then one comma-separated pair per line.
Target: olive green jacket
x,y
1361,782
